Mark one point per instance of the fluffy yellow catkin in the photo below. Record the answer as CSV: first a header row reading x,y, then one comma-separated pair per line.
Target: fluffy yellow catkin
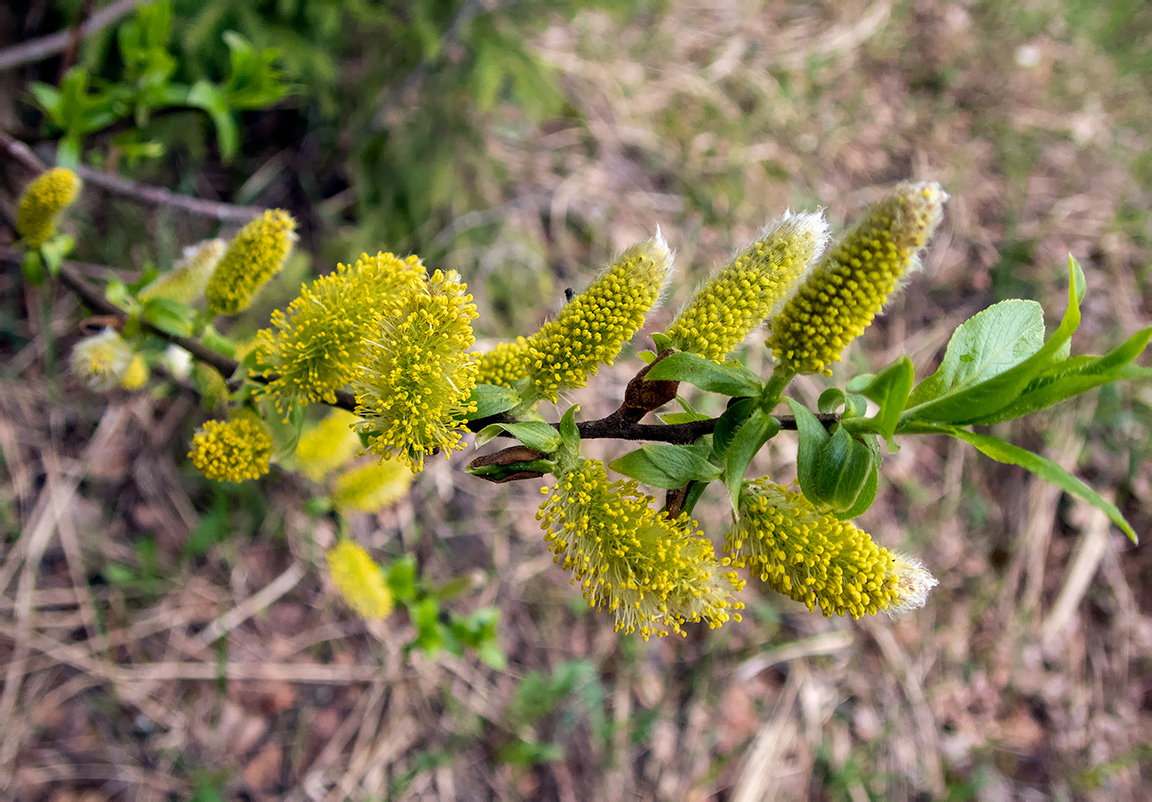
x,y
504,365
359,580
745,291
136,375
328,445
651,572
842,295
41,203
316,348
816,559
233,450
102,360
186,281
255,255
591,328
418,373
371,487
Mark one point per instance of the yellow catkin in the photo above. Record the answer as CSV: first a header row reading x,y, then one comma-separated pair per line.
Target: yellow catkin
x,y
232,450
359,580
328,445
41,203
316,348
418,373
186,281
102,360
745,291
818,560
372,487
591,328
255,255
504,365
842,295
651,572
136,375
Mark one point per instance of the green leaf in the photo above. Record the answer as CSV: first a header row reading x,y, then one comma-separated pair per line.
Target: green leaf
x,y
491,400
732,380
980,378
169,315
889,390
831,400
748,440
843,468
1043,467
401,579
569,434
534,434
661,341
813,438
1075,376
666,466
681,417
732,419
871,485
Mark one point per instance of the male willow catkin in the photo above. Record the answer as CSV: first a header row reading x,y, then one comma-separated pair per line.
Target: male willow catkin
x,y
359,580
233,450
819,560
744,292
839,299
188,278
652,572
41,203
591,328
102,360
255,255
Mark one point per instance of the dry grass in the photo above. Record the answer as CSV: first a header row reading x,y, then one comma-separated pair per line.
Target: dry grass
x,y
1025,677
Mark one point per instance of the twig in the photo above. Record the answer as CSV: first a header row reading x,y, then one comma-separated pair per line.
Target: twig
x,y
158,196
134,190
47,46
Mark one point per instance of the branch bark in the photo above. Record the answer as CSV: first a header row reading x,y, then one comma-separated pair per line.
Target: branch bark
x,y
47,46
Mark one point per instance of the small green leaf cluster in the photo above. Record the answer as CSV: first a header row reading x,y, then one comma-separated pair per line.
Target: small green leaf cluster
x,y
83,104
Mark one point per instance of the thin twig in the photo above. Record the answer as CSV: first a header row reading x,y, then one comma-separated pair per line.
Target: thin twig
x,y
47,46
158,196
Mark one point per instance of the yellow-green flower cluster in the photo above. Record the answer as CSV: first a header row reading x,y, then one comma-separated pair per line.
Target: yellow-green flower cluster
x,y
41,203
102,360
371,487
738,298
136,375
232,450
316,348
591,328
255,255
328,445
817,559
359,580
848,288
504,365
186,281
418,373
652,572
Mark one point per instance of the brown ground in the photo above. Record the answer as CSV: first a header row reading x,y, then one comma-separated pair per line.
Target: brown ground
x,y
1027,676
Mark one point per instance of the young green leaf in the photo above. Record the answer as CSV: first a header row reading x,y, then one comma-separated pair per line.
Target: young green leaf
x,y
1043,467
889,390
813,438
491,400
731,380
749,438
666,466
987,382
732,419
1075,376
534,434
843,468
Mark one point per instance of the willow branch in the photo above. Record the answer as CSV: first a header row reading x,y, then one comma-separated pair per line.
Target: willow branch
x,y
47,46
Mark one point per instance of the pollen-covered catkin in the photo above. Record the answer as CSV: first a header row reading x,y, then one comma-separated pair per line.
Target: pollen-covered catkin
x,y
186,281
328,445
504,364
41,203
817,559
653,573
255,255
316,348
102,360
745,291
591,328
359,580
233,450
842,295
418,373
371,487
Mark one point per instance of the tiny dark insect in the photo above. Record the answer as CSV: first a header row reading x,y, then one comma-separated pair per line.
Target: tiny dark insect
x,y
569,294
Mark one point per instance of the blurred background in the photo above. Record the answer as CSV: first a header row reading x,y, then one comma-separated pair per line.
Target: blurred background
x,y
163,637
